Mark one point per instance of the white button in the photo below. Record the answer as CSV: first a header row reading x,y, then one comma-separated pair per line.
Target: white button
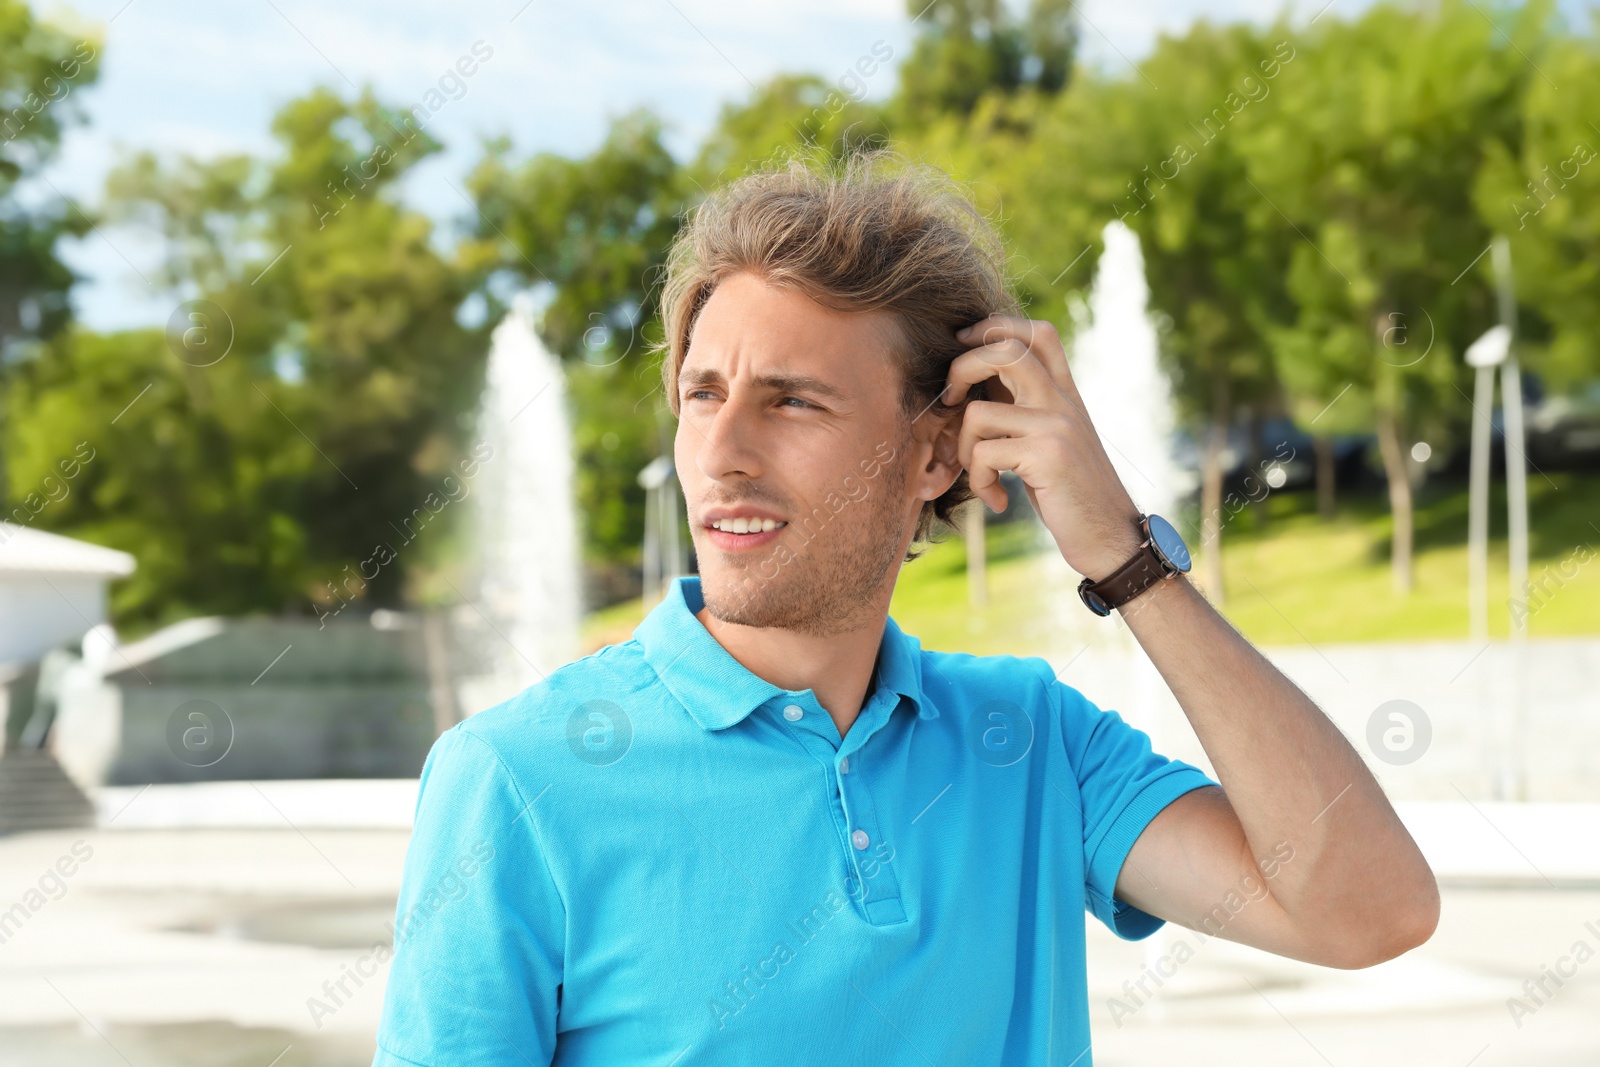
x,y
860,840
793,713
844,765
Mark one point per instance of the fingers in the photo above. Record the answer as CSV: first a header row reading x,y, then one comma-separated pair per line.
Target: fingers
x,y
1009,360
987,419
989,458
1035,334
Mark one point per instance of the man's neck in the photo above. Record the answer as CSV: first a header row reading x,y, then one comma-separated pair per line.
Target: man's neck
x,y
836,667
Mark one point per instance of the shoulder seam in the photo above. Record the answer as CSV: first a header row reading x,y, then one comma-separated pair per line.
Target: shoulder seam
x,y
532,823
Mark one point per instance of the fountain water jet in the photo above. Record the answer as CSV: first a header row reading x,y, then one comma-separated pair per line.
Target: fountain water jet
x,y
1115,364
527,536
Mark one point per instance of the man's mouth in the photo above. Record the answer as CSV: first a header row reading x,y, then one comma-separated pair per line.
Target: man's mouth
x,y
746,526
734,531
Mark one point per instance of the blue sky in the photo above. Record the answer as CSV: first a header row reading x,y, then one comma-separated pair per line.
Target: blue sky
x,y
187,76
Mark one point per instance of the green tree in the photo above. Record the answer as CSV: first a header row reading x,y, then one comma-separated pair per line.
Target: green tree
x,y
792,116
1544,195
176,466
42,69
968,49
326,388
1214,254
1381,129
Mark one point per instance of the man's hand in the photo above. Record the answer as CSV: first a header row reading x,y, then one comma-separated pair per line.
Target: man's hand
x,y
1037,426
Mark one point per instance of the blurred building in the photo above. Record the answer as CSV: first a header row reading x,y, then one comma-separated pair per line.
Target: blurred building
x,y
52,590
52,599
234,699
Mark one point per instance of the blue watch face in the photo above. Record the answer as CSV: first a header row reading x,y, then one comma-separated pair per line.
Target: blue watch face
x,y
1169,544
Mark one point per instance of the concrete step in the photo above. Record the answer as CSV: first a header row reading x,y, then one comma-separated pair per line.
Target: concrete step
x,y
35,794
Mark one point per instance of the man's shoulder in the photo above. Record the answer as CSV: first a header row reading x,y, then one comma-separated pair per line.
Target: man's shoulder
x,y
964,681
536,724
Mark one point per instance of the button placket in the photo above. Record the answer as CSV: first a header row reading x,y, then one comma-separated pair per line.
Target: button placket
x,y
871,855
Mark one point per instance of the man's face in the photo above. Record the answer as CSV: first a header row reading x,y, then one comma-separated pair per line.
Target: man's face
x,y
790,428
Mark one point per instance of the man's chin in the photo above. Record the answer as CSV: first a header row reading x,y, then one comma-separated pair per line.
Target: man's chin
x,y
791,603
732,596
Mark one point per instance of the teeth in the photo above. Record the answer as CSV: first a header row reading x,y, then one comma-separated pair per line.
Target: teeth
x,y
746,525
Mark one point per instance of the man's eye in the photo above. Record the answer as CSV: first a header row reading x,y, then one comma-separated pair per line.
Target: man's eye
x,y
797,400
696,393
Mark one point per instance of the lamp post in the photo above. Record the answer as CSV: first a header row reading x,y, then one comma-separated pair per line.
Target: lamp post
x,y
1516,439
1486,353
1495,349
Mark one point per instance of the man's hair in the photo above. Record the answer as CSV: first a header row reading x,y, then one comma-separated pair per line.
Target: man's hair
x,y
870,233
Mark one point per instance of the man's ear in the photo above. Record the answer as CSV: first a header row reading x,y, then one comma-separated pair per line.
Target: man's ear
x,y
938,438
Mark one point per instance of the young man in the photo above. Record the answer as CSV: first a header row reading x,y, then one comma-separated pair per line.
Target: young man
x,y
771,828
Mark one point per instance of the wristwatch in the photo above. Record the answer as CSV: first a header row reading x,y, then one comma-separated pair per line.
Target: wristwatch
x,y
1162,555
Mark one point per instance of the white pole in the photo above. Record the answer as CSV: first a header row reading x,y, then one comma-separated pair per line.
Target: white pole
x,y
1514,787
1478,508
1516,443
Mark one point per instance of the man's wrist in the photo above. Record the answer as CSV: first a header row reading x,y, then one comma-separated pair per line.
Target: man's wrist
x,y
1114,551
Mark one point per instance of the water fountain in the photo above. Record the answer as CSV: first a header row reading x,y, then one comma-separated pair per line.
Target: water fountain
x,y
527,539
1116,368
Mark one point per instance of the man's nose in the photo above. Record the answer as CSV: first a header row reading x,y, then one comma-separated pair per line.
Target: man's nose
x,y
732,444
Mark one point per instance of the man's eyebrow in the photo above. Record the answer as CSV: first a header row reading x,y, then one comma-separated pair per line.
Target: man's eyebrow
x,y
699,376
780,383
799,383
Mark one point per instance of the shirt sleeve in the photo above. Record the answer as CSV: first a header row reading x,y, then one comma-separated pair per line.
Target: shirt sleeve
x,y
480,926
1122,785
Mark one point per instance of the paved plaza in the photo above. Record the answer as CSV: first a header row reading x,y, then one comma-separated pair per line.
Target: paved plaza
x,y
213,946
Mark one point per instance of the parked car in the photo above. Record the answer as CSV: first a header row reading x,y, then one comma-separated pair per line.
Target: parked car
x,y
1285,456
1564,431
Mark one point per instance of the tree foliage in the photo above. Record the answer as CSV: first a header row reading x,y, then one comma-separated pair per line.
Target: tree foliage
x,y
315,386
42,68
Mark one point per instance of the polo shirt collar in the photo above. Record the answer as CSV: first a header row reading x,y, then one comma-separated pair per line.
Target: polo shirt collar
x,y
719,691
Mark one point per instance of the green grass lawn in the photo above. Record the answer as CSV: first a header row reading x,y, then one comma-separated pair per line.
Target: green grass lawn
x,y
1289,576
1330,581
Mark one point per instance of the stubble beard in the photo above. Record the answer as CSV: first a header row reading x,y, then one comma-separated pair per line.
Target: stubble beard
x,y
830,585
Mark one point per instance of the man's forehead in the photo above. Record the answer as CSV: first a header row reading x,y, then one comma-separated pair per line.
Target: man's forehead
x,y
779,335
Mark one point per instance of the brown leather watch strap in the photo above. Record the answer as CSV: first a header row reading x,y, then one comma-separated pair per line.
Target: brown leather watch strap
x,y
1145,569
1131,579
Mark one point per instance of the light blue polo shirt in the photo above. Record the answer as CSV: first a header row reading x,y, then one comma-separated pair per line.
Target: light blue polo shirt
x,y
656,857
